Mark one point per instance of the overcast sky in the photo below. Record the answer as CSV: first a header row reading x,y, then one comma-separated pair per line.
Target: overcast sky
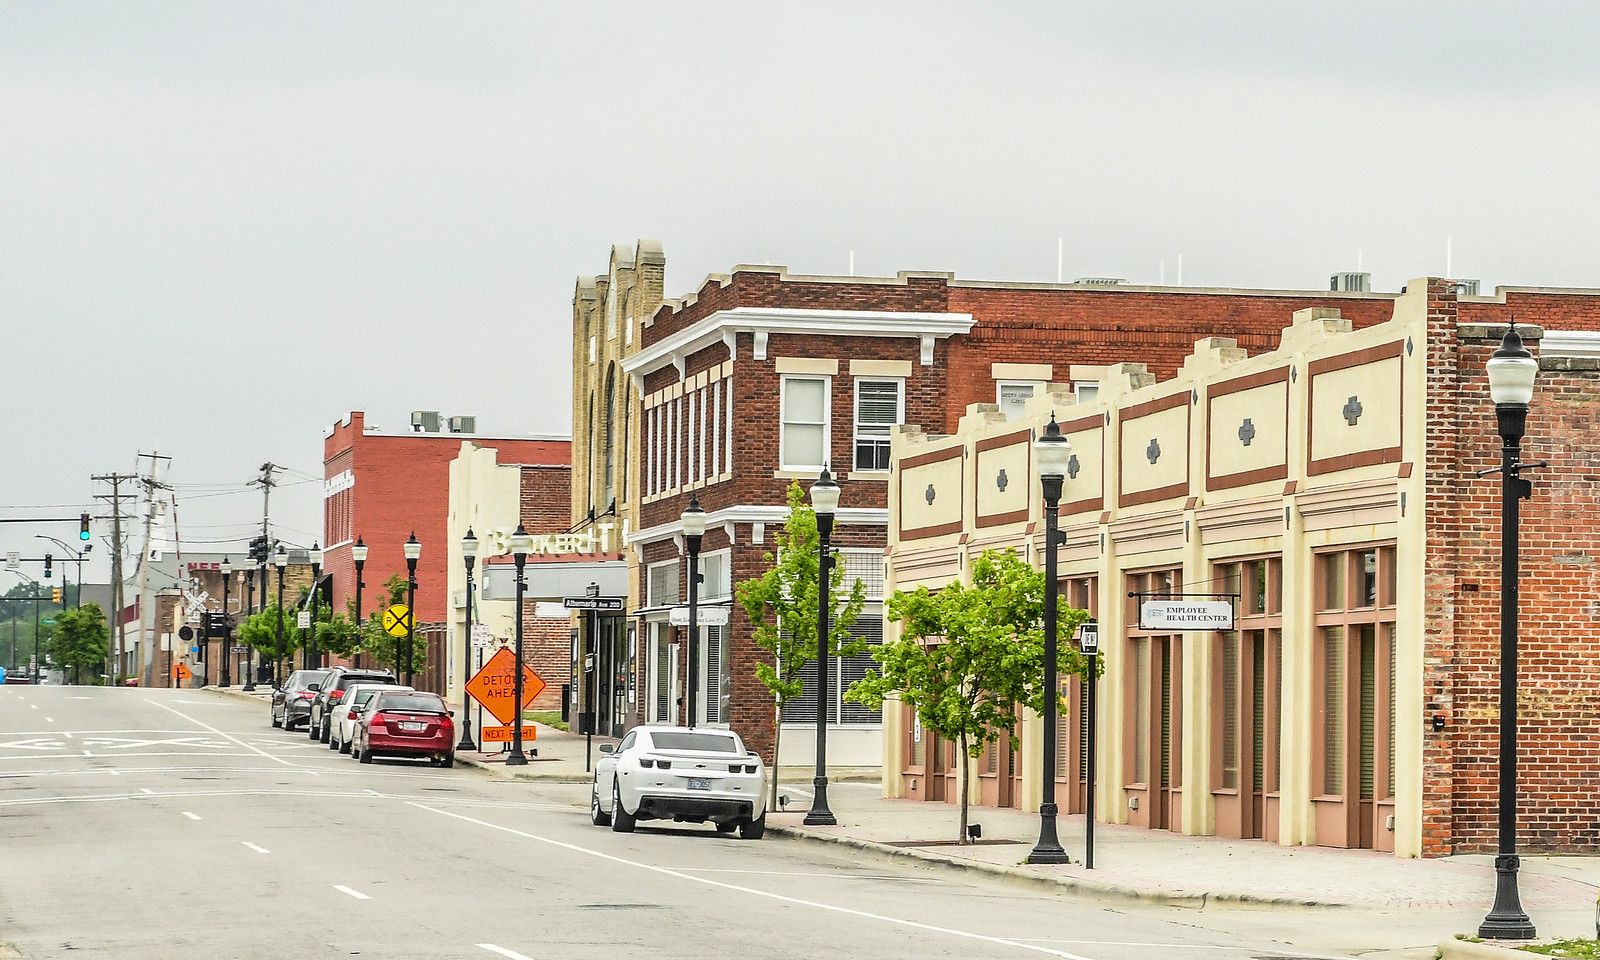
x,y
224,225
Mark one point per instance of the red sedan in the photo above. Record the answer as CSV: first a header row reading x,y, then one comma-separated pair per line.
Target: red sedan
x,y
404,723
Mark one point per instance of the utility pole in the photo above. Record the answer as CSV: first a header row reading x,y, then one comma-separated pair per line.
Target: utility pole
x,y
115,497
147,649
266,483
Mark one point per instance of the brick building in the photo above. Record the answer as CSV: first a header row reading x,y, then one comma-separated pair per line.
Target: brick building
x,y
762,378
383,486
1330,487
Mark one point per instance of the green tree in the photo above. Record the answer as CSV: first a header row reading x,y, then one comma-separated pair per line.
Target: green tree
x,y
82,641
783,604
260,631
384,649
339,635
969,656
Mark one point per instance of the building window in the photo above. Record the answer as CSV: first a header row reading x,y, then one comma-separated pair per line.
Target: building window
x,y
689,464
716,675
608,481
1086,391
804,439
716,581
727,438
879,408
1012,395
705,435
673,451
716,428
663,584
842,672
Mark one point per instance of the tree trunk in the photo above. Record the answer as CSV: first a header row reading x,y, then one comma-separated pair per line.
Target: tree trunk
x,y
777,739
966,787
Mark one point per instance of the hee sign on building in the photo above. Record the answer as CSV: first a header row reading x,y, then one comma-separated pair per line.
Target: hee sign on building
x,y
494,686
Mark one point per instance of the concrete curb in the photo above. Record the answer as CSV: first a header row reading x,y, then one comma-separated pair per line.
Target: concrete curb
x,y
499,770
1454,949
1075,884
236,694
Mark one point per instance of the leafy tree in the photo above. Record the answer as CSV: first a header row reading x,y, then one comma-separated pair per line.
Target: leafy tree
x,y
82,640
969,656
339,634
387,650
783,603
260,631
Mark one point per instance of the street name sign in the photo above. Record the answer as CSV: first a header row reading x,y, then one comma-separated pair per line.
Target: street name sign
x,y
705,617
1157,614
397,620
1089,638
604,604
13,560
503,734
494,686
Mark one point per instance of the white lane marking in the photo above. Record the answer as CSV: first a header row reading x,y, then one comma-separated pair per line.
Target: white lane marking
x,y
1276,952
353,893
796,901
115,773
49,719
191,816
67,734
85,753
257,849
320,794
502,951
835,876
121,755
377,794
33,706
147,791
221,734
85,698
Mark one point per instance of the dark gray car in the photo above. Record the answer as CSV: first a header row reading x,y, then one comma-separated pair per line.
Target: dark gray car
x,y
332,691
291,703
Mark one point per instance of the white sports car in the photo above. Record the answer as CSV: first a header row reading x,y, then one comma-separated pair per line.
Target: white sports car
x,y
680,773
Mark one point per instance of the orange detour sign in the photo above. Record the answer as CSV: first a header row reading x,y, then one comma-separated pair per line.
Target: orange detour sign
x,y
530,733
494,685
181,671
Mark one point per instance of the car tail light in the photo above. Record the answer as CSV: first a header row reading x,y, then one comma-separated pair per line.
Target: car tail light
x,y
752,768
307,695
735,767
646,762
664,764
334,696
377,721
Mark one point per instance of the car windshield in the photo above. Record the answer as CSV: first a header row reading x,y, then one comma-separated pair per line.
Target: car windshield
x,y
306,678
411,703
351,679
705,742
362,696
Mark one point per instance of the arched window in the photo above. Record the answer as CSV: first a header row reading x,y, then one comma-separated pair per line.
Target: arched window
x,y
608,478
589,479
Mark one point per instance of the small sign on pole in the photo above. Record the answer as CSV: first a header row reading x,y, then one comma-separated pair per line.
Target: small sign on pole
x,y
305,619
13,560
602,604
1089,638
705,617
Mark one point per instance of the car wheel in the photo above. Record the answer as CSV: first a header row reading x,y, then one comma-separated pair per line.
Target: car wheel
x,y
447,761
366,755
333,742
621,821
311,728
276,723
753,829
325,734
597,816
344,746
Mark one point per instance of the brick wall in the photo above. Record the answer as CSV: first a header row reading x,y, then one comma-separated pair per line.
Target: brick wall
x,y
546,499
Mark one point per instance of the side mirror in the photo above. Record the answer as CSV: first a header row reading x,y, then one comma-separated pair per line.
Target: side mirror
x,y
451,712
607,748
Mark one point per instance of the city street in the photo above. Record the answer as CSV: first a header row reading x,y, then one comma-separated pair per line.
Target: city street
x,y
138,823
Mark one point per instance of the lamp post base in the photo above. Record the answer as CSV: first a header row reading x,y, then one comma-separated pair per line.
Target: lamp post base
x,y
1506,920
1048,849
819,815
466,737
516,758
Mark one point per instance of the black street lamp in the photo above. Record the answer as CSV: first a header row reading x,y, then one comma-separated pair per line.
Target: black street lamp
x,y
1050,451
313,658
825,501
1512,370
279,560
358,553
413,552
250,605
521,546
694,528
469,554
227,623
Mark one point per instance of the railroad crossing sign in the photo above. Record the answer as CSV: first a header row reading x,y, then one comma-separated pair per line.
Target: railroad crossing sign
x,y
494,685
181,671
397,620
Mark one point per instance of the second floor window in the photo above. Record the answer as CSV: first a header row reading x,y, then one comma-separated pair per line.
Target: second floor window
x,y
804,441
878,404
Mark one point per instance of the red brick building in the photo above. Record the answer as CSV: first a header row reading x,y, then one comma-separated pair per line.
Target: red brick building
x,y
383,486
761,378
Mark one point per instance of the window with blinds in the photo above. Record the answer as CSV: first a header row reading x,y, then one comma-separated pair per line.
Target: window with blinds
x,y
663,585
1333,712
1141,710
1388,631
1166,715
1369,707
715,679
878,404
865,566
1230,710
843,671
1258,712
661,657
1083,741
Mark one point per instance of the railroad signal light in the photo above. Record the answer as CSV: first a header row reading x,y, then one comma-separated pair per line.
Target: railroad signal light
x,y
83,527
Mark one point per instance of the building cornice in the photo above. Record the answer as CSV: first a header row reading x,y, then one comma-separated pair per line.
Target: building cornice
x,y
765,321
752,513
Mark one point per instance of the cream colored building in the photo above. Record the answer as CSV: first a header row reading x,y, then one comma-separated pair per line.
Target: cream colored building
x,y
1294,480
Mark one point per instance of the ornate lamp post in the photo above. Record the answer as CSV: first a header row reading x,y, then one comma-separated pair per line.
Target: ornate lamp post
x,y
1050,452
694,528
825,501
227,623
313,657
280,559
469,554
1512,370
250,605
521,546
358,553
413,552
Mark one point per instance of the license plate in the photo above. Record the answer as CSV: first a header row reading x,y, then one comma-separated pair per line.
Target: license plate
x,y
699,783
413,727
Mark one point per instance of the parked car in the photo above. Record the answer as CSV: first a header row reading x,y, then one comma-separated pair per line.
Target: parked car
x,y
338,680
291,703
681,774
349,709
398,723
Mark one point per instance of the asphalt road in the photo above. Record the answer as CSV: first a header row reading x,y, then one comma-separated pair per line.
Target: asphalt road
x,y
177,824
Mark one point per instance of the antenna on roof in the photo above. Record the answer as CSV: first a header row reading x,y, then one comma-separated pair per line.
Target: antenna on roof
x,y
1061,243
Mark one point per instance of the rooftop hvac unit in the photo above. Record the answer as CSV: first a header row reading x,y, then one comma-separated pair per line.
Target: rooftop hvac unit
x,y
1350,282
1465,288
463,424
424,421
1100,281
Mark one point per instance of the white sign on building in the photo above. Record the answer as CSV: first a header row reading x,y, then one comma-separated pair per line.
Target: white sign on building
x,y
1185,614
704,617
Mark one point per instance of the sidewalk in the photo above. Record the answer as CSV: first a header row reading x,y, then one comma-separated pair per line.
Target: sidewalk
x,y
1171,868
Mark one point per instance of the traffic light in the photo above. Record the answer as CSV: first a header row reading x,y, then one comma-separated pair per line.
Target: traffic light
x,y
55,594
258,549
47,561
83,527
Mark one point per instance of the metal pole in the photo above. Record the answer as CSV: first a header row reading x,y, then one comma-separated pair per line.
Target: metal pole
x,y
820,814
694,629
411,616
1048,848
518,758
278,667
1088,800
1507,920
466,666
359,623
250,586
591,622
36,633
313,657
226,678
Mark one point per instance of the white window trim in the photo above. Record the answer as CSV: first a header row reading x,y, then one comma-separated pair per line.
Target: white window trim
x,y
1077,388
716,428
649,579
855,415
1000,385
727,429
827,421
705,402
689,473
677,443
727,554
